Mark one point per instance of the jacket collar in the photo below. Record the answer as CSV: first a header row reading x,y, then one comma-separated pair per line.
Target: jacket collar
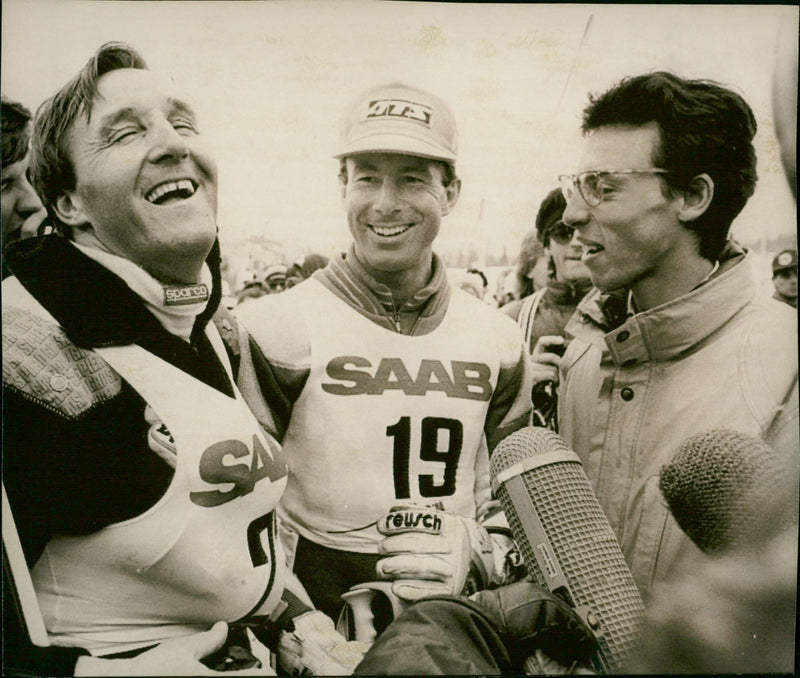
x,y
567,293
94,306
669,330
383,292
348,279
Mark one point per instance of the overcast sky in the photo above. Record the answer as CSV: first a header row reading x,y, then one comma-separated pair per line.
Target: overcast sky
x,y
271,78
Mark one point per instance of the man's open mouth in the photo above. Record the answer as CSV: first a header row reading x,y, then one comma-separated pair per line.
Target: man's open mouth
x,y
171,191
589,248
386,231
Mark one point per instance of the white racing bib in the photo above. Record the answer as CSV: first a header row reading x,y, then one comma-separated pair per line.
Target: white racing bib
x,y
384,418
206,551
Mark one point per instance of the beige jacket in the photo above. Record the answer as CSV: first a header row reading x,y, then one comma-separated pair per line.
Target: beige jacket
x,y
721,356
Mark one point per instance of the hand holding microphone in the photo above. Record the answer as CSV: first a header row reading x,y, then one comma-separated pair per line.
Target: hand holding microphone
x,y
527,616
546,360
567,543
546,357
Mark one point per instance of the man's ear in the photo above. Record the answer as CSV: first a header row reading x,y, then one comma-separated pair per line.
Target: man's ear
x,y
343,176
69,209
451,193
696,198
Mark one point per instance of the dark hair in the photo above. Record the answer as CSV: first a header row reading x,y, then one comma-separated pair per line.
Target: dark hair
x,y
550,212
529,252
704,128
52,172
478,272
448,170
311,263
16,130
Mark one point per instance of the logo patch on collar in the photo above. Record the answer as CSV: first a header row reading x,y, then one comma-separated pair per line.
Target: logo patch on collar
x,y
179,295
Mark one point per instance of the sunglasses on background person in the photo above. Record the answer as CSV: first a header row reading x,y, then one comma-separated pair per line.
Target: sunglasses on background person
x,y
279,284
561,233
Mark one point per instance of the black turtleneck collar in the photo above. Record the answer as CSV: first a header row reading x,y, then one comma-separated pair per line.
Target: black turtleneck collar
x,y
94,306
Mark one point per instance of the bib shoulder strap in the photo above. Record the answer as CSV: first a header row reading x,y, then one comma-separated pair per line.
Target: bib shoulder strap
x,y
528,312
231,335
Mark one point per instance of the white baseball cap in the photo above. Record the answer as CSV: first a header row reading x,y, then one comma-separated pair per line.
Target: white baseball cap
x,y
398,118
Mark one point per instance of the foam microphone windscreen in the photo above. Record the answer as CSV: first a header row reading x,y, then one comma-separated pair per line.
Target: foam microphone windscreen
x,y
726,489
565,538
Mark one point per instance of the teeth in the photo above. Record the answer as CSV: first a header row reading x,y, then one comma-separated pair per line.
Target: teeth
x,y
169,187
387,231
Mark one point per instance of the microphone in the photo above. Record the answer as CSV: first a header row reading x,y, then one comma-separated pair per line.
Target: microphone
x,y
726,489
567,543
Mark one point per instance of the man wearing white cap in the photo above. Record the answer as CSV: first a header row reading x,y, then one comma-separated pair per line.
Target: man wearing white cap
x,y
784,277
275,279
388,388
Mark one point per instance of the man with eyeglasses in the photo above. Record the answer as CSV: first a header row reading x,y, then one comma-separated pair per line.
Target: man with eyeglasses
x,y
676,339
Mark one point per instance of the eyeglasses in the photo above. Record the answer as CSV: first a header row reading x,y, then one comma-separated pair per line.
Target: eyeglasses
x,y
561,233
590,184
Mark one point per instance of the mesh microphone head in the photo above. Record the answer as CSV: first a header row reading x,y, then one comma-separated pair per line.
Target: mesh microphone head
x,y
514,449
582,539
726,489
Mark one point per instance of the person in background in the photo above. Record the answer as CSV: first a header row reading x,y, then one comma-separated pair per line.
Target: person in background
x,y
483,282
544,314
252,289
472,281
395,385
120,413
302,270
676,338
275,279
530,273
784,277
506,288
22,212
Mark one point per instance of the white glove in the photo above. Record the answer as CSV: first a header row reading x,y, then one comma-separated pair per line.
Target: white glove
x,y
316,648
431,552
